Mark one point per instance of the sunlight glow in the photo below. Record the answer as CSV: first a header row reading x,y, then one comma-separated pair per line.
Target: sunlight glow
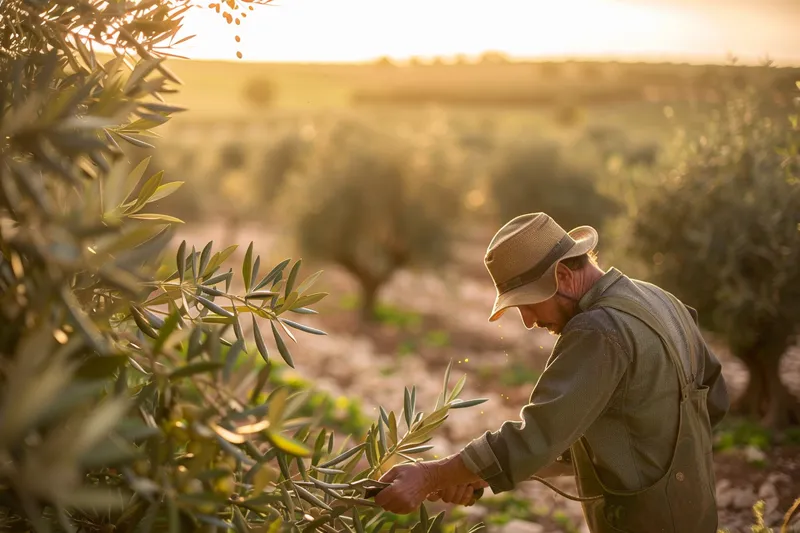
x,y
358,30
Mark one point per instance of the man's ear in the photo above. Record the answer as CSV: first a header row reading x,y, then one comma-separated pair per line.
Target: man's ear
x,y
564,276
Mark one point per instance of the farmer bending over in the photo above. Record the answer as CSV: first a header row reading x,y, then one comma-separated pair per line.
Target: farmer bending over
x,y
626,402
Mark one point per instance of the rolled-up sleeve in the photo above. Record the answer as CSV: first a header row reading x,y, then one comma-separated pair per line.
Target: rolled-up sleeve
x,y
579,380
717,401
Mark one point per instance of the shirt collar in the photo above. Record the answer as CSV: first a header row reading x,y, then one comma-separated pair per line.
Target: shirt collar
x,y
599,287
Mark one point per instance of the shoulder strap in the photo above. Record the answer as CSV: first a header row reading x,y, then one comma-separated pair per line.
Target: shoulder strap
x,y
637,310
688,324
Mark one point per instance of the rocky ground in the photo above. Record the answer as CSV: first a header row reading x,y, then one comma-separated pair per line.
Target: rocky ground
x,y
434,318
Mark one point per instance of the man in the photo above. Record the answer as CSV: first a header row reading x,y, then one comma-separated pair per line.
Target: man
x,y
626,402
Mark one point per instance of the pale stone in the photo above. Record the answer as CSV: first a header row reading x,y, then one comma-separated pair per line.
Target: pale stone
x,y
475,513
522,526
769,494
724,494
779,479
744,498
754,455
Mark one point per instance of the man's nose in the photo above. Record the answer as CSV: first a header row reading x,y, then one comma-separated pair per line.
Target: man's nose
x,y
528,318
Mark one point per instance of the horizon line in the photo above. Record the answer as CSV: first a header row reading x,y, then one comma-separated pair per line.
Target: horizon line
x,y
473,60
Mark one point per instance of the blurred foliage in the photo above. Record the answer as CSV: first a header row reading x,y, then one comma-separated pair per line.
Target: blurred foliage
x,y
613,143
568,115
128,400
280,158
402,318
374,203
518,373
245,172
736,432
504,508
232,157
437,338
721,230
539,176
342,414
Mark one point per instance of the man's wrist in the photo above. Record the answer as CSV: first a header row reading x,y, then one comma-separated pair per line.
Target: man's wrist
x,y
449,471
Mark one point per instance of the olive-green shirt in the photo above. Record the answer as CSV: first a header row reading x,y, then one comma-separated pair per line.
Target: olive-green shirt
x,y
610,379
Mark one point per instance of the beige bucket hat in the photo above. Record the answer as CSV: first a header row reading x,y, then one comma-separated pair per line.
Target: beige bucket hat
x,y
523,255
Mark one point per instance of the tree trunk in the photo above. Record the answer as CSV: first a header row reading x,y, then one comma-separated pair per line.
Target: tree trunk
x,y
766,398
370,283
782,408
369,300
752,402
230,231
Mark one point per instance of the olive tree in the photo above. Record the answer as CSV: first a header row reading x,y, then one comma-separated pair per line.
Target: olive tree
x,y
129,397
282,156
721,230
536,176
374,203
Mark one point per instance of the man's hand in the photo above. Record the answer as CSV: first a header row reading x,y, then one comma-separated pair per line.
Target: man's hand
x,y
463,494
411,484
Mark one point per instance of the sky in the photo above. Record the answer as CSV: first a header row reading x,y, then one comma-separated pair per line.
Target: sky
x,y
362,30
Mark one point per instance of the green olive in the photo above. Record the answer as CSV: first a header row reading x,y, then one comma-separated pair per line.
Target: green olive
x,y
181,476
195,447
225,486
191,413
141,467
228,461
194,486
178,430
206,508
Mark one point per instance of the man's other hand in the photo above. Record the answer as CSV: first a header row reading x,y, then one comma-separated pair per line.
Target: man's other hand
x,y
459,494
411,484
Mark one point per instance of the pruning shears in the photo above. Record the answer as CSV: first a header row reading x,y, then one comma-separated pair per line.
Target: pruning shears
x,y
371,487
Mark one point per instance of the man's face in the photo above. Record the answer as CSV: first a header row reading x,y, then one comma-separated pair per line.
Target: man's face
x,y
553,314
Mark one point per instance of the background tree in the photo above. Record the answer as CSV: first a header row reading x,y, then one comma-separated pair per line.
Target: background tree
x,y
389,203
280,159
494,57
259,92
232,157
721,230
384,61
611,142
128,400
535,176
568,114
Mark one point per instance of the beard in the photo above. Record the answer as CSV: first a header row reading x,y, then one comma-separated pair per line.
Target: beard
x,y
568,308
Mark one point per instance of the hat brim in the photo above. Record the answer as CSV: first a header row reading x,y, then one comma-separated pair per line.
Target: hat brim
x,y
545,287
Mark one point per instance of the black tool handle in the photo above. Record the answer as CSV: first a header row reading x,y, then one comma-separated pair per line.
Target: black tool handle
x,y
371,493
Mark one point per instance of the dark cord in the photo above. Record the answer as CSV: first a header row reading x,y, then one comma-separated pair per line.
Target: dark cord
x,y
564,494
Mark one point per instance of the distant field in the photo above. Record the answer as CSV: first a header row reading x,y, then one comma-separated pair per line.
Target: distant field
x,y
216,87
508,100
